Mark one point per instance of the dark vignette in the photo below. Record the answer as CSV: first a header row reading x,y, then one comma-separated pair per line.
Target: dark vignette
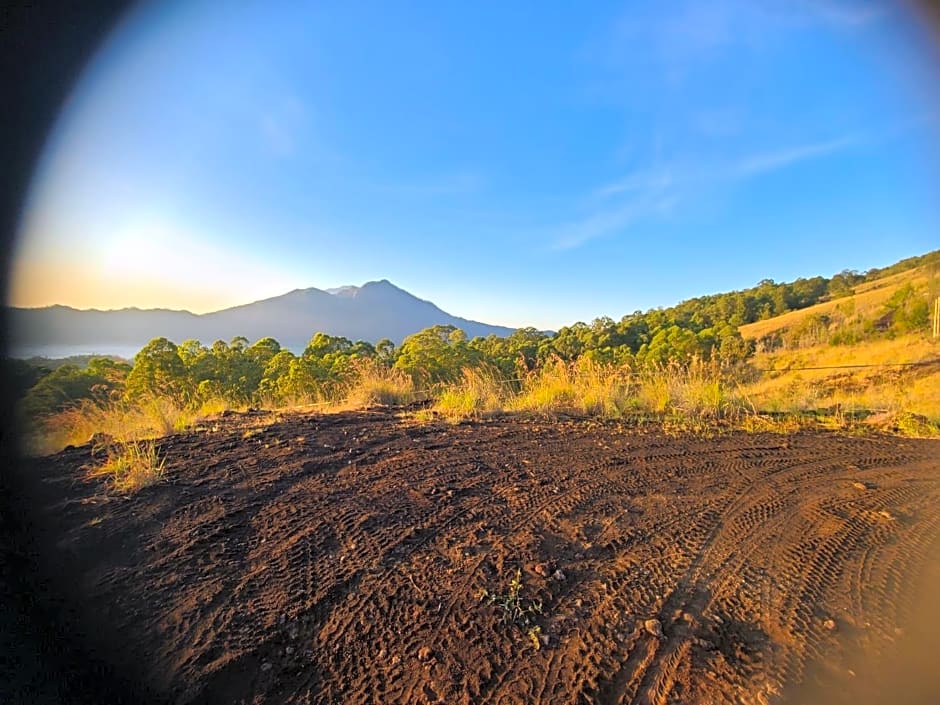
x,y
44,45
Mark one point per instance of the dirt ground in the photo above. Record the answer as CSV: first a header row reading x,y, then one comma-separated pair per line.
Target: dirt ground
x,y
342,558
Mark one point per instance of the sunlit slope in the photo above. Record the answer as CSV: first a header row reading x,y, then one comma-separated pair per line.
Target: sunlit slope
x,y
866,302
887,383
882,388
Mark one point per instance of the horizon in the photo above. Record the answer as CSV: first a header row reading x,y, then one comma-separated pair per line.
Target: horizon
x,y
336,291
589,163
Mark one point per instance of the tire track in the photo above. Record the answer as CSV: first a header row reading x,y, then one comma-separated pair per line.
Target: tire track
x,y
336,559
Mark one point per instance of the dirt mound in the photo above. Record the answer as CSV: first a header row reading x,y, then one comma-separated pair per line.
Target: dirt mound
x,y
363,558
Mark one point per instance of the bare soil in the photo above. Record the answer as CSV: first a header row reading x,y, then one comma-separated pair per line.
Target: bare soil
x,y
342,558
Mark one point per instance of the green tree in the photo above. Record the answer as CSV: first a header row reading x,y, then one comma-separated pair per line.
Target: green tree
x,y
273,385
321,345
68,384
158,371
436,354
386,352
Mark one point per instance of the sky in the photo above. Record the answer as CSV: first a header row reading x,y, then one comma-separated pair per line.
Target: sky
x,y
515,163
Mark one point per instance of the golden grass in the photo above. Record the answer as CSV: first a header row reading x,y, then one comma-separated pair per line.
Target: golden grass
x,y
695,396
583,387
123,421
764,423
894,390
698,390
698,397
867,300
913,347
695,392
378,385
915,426
132,465
478,393
897,423
156,417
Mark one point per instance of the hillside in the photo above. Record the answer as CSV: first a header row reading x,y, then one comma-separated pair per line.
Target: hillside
x,y
371,312
866,301
845,354
877,321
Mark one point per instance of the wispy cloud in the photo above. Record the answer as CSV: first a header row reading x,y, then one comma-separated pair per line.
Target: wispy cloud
x,y
679,74
651,42
613,207
653,194
652,180
694,33
845,14
609,221
718,122
782,158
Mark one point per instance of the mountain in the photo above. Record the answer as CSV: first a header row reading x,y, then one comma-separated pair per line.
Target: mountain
x,y
370,312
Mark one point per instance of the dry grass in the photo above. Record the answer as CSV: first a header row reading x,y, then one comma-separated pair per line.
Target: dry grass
x,y
478,393
131,465
696,396
689,395
697,390
583,387
764,423
892,390
157,417
120,420
378,385
915,426
868,299
913,347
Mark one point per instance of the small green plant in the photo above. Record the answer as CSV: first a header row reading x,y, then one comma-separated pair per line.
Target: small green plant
x,y
516,610
534,632
132,465
423,416
916,426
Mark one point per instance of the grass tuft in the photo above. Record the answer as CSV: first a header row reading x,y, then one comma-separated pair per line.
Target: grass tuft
x,y
584,387
376,385
132,465
478,393
121,420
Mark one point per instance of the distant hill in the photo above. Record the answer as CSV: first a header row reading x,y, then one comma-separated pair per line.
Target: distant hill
x,y
370,312
864,308
855,352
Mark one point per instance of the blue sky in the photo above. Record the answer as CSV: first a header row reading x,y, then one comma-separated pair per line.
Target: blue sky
x,y
517,163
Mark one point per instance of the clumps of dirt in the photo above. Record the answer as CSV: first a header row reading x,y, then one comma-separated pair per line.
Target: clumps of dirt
x,y
321,559
654,628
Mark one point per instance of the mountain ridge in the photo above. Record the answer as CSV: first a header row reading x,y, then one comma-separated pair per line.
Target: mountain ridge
x,y
375,310
333,291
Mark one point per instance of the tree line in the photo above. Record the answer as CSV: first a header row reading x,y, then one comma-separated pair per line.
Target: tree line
x,y
263,372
